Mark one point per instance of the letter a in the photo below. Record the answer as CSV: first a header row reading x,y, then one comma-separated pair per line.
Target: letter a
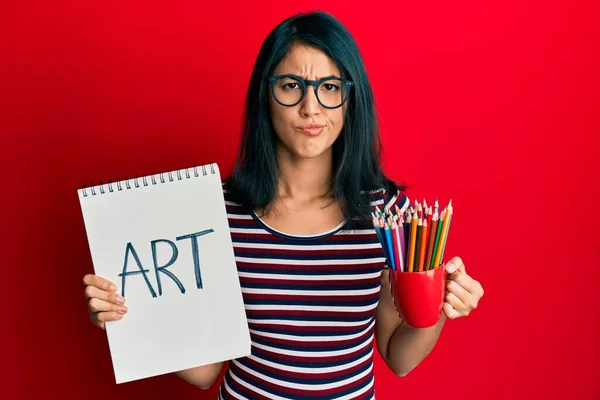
x,y
142,271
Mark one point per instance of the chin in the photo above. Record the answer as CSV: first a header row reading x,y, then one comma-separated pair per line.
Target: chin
x,y
312,153
308,148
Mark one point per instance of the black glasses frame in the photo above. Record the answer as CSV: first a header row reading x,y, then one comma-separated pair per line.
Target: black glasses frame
x,y
304,83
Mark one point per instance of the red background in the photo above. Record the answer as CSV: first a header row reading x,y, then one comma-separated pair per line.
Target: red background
x,y
494,104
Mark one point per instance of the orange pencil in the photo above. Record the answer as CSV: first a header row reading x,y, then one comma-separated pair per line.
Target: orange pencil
x,y
412,240
423,245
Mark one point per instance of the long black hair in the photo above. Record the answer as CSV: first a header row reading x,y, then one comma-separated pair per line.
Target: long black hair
x,y
357,150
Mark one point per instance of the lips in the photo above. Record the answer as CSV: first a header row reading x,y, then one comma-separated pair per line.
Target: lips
x,y
311,130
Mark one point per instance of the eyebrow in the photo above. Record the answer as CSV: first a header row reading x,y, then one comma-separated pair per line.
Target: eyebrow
x,y
317,78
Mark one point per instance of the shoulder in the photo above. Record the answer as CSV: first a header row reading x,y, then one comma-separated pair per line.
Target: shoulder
x,y
388,198
230,198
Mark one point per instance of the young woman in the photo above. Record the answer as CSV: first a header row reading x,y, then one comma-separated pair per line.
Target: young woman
x,y
312,272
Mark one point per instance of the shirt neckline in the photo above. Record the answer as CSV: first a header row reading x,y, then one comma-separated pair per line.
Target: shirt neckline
x,y
284,235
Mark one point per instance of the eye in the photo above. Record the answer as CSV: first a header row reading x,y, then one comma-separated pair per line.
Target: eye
x,y
291,86
330,87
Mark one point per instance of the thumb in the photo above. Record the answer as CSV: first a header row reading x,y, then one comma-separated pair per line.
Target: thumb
x,y
455,264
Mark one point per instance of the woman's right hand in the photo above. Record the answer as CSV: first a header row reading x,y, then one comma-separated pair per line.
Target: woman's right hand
x,y
104,304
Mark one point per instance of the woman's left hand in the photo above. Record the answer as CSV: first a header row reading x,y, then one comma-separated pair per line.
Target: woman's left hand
x,y
462,292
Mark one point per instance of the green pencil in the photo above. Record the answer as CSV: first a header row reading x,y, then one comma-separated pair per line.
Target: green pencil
x,y
437,240
447,229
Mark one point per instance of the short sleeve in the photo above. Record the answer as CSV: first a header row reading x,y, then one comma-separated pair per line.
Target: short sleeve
x,y
397,198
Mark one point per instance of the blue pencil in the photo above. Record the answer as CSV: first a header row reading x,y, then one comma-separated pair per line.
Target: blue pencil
x,y
388,239
380,237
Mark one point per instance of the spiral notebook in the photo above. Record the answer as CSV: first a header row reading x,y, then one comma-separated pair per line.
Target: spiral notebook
x,y
164,240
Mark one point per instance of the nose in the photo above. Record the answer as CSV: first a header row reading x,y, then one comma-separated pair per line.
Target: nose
x,y
309,104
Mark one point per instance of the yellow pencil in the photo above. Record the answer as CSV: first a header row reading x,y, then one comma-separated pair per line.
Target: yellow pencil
x,y
447,230
438,253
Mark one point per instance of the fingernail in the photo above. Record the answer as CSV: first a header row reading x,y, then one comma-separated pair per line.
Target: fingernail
x,y
450,268
122,309
120,300
113,288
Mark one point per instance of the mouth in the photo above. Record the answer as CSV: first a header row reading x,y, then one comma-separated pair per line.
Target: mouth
x,y
311,130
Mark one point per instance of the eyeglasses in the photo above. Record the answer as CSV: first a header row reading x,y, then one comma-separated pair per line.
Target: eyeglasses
x,y
289,90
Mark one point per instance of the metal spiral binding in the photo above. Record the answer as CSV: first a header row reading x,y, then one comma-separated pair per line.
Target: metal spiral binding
x,y
193,172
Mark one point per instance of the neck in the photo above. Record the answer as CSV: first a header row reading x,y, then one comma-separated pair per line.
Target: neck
x,y
302,178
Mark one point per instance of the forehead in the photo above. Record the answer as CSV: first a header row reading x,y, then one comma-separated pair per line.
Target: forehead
x,y
306,62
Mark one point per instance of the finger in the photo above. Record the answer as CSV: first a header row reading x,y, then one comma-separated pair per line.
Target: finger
x,y
465,281
94,318
458,291
95,305
450,312
99,282
455,302
91,292
455,264
108,316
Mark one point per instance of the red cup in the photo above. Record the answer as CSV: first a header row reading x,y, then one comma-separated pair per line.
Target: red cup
x,y
419,296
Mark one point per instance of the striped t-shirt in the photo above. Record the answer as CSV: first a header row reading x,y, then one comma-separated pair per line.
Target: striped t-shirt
x,y
310,303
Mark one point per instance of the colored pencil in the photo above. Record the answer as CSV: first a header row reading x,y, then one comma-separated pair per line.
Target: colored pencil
x,y
397,248
412,240
442,238
447,230
418,244
423,246
437,240
429,217
401,224
390,246
432,233
407,231
380,237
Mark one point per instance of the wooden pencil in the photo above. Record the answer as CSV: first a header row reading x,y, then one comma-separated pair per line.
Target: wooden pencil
x,y
380,237
407,226
412,244
429,217
390,245
401,224
442,238
447,230
432,233
418,244
437,241
423,246
397,247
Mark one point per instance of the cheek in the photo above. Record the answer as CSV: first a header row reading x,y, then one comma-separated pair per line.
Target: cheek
x,y
336,119
278,115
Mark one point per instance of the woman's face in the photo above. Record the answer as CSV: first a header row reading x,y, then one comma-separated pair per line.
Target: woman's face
x,y
288,122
